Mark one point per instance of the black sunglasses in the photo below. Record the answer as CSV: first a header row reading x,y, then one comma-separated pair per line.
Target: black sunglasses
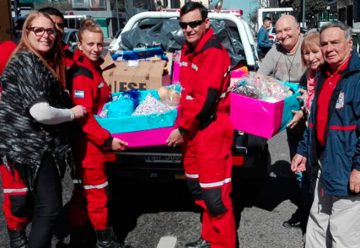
x,y
193,24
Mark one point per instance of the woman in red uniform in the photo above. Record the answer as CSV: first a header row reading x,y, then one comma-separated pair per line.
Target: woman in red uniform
x,y
90,90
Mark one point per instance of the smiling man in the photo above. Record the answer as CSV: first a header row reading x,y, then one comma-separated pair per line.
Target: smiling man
x,y
284,63
331,143
205,128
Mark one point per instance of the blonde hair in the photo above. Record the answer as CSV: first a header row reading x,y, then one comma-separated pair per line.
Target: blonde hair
x,y
54,59
89,25
311,42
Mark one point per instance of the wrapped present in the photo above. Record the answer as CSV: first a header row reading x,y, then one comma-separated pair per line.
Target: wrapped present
x,y
145,138
263,117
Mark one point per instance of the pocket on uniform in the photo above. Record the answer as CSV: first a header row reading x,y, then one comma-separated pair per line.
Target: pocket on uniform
x,y
20,205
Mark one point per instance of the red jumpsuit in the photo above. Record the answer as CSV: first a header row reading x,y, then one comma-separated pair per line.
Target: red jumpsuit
x,y
204,115
15,205
89,89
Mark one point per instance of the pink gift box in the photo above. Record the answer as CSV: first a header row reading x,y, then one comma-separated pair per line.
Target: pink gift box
x,y
152,137
256,116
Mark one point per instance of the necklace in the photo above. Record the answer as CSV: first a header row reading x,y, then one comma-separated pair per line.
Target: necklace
x,y
289,64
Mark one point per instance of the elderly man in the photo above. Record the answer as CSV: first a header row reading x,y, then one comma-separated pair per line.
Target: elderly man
x,y
331,143
284,63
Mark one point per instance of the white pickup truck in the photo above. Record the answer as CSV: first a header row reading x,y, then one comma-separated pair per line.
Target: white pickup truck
x,y
165,163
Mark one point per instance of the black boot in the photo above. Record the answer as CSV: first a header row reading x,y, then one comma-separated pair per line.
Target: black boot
x,y
17,239
200,243
106,239
78,238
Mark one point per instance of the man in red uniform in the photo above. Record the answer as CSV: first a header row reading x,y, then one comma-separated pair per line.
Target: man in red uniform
x,y
205,127
16,211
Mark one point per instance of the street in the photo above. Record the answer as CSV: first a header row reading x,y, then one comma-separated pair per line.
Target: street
x,y
146,214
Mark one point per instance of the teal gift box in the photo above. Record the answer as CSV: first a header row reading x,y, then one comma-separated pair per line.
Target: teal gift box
x,y
127,123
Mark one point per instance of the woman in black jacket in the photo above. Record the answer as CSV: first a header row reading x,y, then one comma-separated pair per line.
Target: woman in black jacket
x,y
34,139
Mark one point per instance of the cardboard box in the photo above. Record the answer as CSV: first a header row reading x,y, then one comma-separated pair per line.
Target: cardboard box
x,y
143,75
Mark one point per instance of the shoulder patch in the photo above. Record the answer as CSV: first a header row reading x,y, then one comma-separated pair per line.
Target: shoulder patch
x,y
79,94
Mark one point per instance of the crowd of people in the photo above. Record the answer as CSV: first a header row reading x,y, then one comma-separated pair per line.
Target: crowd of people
x,y
49,97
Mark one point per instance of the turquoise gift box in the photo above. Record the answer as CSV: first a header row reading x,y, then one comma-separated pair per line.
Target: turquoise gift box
x,y
140,130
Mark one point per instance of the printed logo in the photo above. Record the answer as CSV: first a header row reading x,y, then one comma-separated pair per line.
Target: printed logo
x,y
79,94
188,97
184,63
340,101
101,85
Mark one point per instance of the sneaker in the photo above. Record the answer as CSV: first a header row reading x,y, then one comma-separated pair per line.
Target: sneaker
x,y
200,243
291,224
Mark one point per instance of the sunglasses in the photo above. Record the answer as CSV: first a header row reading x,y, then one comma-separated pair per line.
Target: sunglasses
x,y
193,24
39,31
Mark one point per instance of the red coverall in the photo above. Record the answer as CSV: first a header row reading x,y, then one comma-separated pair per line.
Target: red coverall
x,y
15,190
90,90
204,115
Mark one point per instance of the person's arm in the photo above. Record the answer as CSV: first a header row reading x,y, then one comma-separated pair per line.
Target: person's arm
x,y
196,111
83,93
44,113
354,180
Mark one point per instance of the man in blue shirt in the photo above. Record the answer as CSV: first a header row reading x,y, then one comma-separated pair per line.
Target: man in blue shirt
x,y
264,43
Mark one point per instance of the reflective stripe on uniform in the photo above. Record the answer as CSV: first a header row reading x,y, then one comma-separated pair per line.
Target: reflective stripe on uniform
x,y
21,190
192,176
98,186
76,181
215,184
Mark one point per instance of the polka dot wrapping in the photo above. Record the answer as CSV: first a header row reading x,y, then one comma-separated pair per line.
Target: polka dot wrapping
x,y
151,105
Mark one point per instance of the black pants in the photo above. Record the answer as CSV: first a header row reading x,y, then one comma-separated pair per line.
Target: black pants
x,y
47,196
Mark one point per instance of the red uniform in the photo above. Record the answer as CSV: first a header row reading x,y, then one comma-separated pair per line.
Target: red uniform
x,y
15,205
90,90
204,115
6,49
68,56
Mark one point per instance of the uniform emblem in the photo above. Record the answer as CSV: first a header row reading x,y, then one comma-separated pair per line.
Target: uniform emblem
x,y
79,94
184,63
188,97
195,67
101,85
340,101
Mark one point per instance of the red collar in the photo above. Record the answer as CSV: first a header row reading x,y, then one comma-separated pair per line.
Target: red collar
x,y
80,58
207,36
342,68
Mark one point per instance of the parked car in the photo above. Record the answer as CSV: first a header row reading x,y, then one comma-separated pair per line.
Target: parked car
x,y
356,40
272,34
114,40
71,37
